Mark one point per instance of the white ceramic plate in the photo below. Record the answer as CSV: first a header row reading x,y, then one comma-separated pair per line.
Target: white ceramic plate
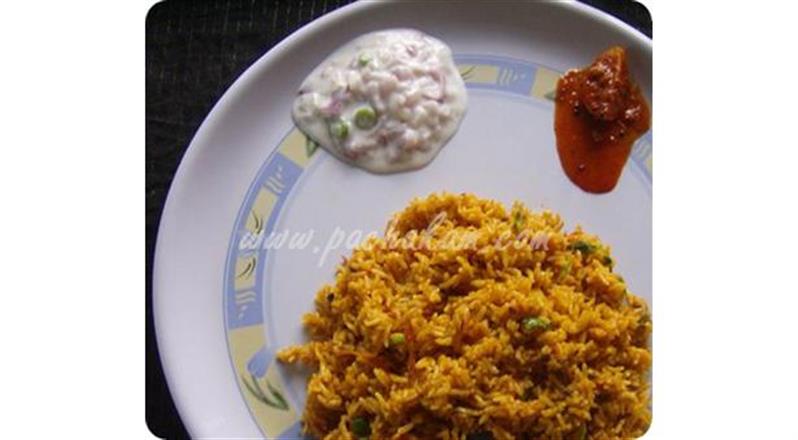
x,y
224,305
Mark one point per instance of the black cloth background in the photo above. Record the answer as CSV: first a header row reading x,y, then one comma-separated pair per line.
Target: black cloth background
x,y
194,52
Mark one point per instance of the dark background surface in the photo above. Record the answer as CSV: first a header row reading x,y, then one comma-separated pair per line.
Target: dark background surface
x,y
194,52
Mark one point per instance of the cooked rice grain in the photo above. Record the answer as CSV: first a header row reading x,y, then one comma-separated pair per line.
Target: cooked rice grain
x,y
502,338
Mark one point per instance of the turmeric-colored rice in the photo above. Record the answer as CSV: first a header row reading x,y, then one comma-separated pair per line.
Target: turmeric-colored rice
x,y
470,322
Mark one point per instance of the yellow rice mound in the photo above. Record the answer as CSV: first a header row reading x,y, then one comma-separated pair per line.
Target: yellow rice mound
x,y
467,321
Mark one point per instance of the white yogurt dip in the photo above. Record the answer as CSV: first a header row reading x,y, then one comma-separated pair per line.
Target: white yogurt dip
x,y
387,101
